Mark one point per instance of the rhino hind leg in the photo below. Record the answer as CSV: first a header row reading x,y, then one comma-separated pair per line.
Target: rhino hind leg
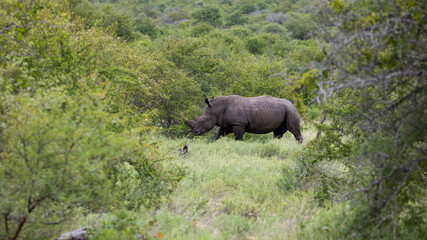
x,y
278,132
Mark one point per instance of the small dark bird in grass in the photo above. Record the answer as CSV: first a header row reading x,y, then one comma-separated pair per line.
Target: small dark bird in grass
x,y
184,150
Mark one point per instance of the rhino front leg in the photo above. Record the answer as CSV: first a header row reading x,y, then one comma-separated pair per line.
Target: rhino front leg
x,y
222,132
238,131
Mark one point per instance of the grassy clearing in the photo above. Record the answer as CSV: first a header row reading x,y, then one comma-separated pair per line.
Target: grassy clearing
x,y
230,191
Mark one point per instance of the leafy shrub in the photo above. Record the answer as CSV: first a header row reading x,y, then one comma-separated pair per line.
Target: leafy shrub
x,y
179,14
162,6
120,224
69,129
201,29
374,128
240,32
301,26
105,16
124,26
147,26
313,113
279,18
262,6
248,8
256,45
284,6
273,28
58,152
208,14
301,54
235,18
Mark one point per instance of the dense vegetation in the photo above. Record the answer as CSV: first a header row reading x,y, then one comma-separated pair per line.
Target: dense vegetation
x,y
91,93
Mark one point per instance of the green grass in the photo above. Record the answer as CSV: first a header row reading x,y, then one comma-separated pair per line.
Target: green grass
x,y
230,191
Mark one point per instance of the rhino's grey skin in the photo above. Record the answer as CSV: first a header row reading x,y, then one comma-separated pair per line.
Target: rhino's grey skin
x,y
236,114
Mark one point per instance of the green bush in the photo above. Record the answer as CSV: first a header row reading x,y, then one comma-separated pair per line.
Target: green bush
x,y
208,14
235,18
240,32
201,29
124,25
247,8
59,152
147,26
120,224
106,16
256,45
301,26
273,28
70,132
180,14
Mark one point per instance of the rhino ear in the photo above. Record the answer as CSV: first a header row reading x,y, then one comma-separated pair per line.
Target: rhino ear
x,y
207,102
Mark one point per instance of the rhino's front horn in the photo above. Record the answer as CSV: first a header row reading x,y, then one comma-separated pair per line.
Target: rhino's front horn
x,y
186,121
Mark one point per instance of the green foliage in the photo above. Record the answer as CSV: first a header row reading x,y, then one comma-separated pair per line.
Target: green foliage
x,y
105,16
373,128
289,180
284,6
59,152
273,28
147,26
313,113
256,45
70,134
94,81
180,14
268,40
208,14
247,8
201,29
240,32
235,18
120,224
124,27
229,191
301,26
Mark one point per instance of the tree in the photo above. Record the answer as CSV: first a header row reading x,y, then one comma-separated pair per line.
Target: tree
x,y
147,26
236,18
301,26
374,88
70,129
209,14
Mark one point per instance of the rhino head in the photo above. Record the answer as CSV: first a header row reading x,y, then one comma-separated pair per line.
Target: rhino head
x,y
202,124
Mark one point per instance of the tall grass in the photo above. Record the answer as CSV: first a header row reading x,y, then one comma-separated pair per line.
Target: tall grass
x,y
231,190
